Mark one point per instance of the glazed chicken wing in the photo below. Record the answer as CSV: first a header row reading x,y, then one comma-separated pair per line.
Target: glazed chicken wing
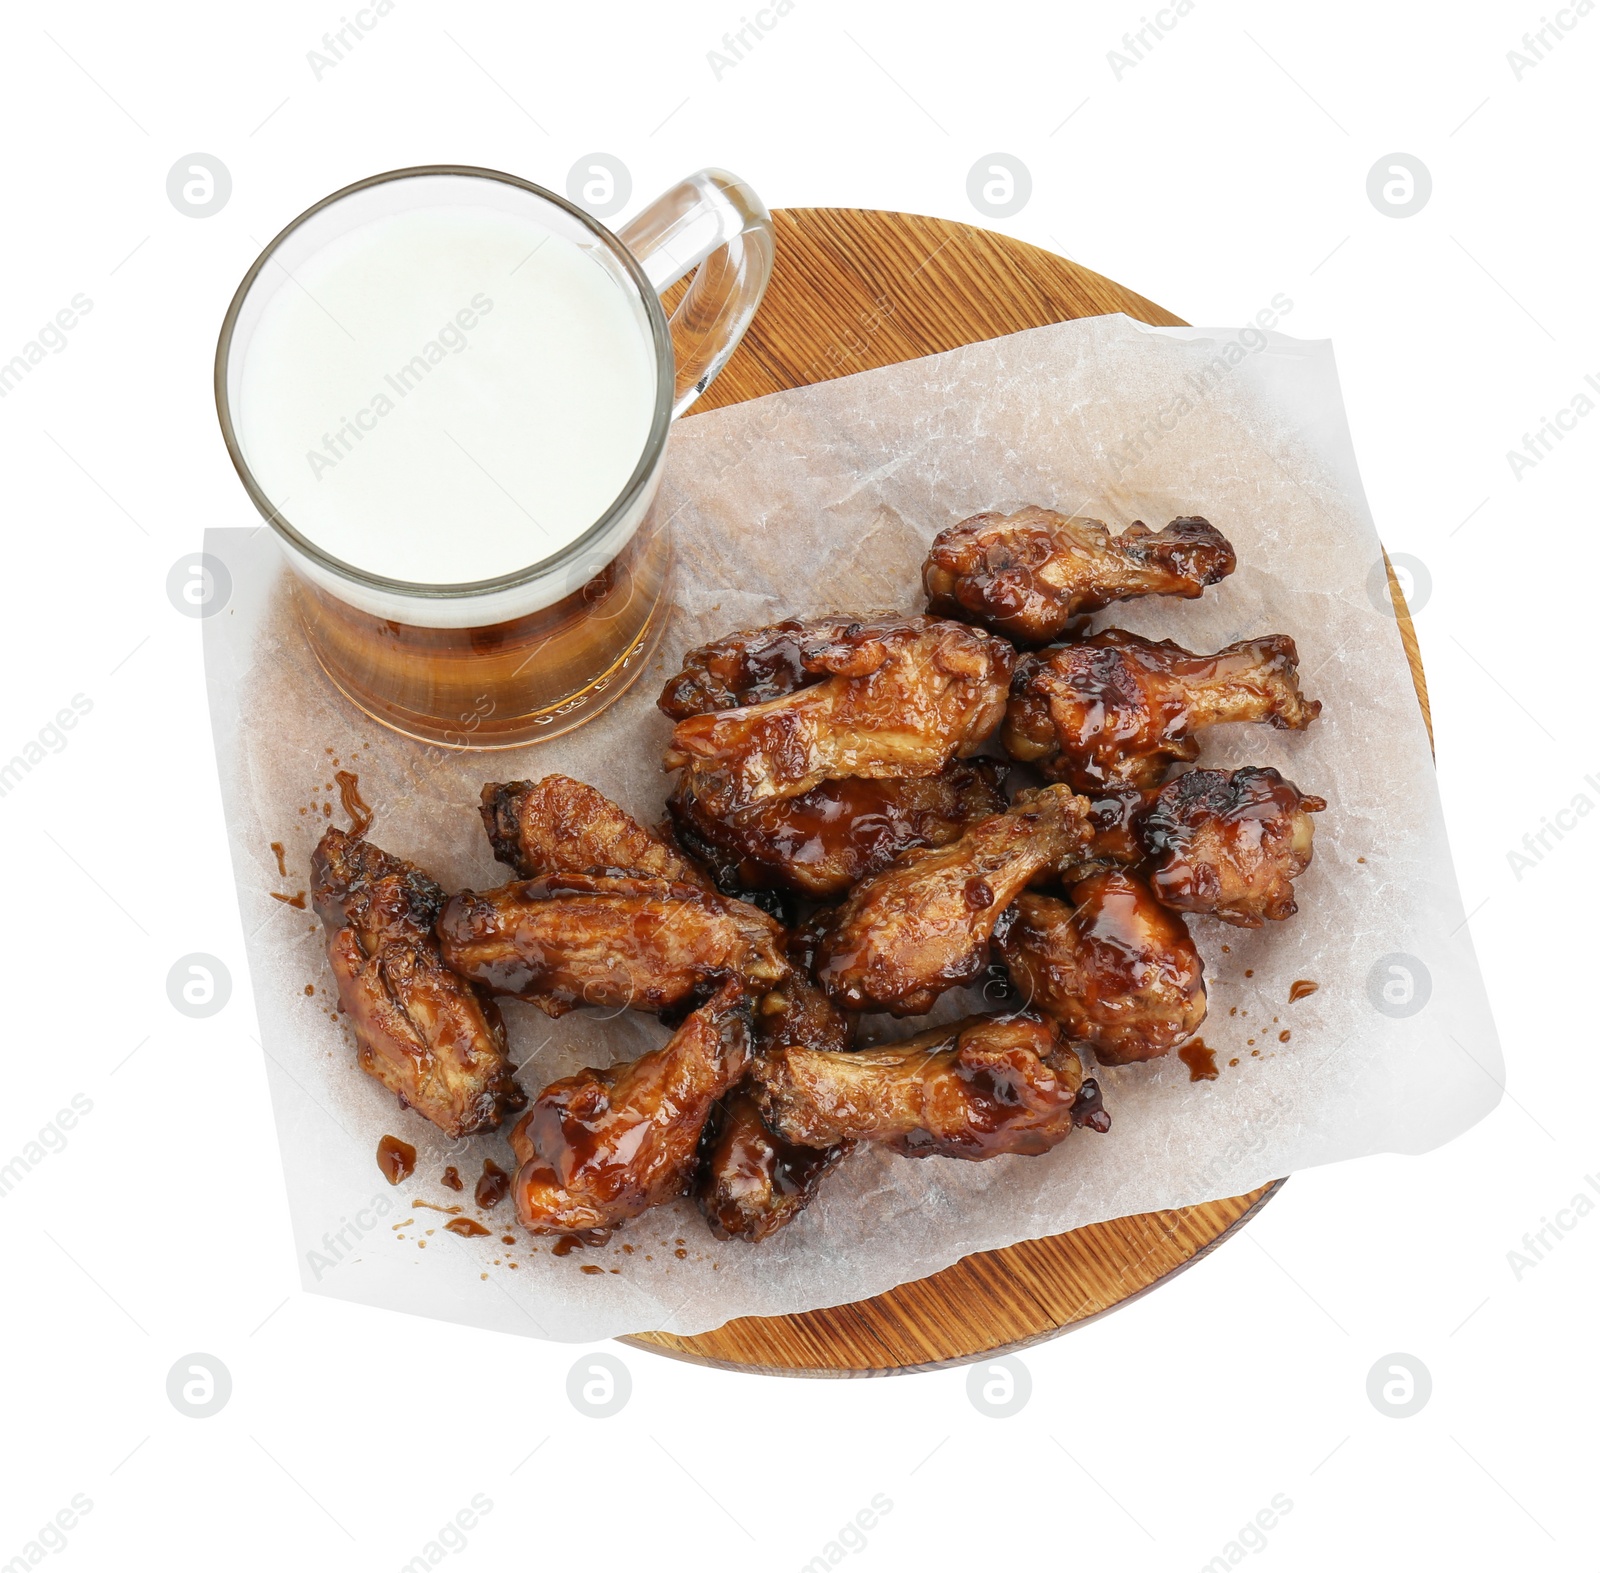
x,y
1119,708
1229,843
562,826
902,697
429,1036
601,1147
615,941
1117,968
821,843
1027,575
974,1089
903,937
752,667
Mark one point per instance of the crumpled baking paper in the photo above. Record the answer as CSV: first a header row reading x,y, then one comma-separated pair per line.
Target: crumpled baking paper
x,y
825,499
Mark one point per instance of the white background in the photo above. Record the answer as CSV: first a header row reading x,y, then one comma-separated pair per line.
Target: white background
x,y
1226,167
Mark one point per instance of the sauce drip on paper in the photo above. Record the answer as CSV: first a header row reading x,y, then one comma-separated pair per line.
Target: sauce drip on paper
x,y
350,797
396,1158
1202,1061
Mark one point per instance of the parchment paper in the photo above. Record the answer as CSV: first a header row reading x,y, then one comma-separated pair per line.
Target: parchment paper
x,y
826,499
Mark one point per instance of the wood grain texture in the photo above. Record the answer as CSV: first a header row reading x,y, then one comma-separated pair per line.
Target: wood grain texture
x,y
853,290
1408,638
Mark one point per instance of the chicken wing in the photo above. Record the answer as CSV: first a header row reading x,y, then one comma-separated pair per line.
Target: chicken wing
x,y
1027,575
821,843
429,1036
974,1089
608,940
903,937
903,697
1117,968
562,826
751,667
1229,843
603,1146
1119,708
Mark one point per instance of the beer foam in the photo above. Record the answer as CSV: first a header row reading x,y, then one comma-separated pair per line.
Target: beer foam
x,y
447,394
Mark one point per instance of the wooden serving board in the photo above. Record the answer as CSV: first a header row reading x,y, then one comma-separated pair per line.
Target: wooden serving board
x,y
852,290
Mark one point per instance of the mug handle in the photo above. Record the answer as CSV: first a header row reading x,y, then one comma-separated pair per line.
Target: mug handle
x,y
714,222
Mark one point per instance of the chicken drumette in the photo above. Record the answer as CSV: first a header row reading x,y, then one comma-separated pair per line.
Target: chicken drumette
x,y
601,1147
428,1035
1118,708
621,941
1117,968
903,937
562,826
974,1089
821,843
899,697
1229,843
1222,842
1028,574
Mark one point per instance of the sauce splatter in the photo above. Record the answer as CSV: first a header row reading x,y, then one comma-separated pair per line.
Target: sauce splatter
x,y
565,1245
311,989
396,1158
277,847
1089,1109
1300,988
589,1267
492,1186
467,1228
451,1179
1202,1062
297,901
350,797
1283,1037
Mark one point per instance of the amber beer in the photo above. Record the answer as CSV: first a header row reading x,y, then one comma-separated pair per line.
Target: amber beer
x,y
506,683
449,393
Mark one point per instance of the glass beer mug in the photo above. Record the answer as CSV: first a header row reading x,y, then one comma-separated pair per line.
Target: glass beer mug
x,y
448,391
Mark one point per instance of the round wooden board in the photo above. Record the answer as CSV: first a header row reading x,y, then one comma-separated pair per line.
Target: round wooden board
x,y
851,290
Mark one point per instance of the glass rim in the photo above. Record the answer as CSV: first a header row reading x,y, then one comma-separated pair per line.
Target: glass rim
x,y
635,486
